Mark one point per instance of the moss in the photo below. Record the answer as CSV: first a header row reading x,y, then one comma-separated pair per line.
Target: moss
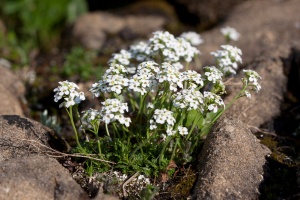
x,y
182,189
280,171
269,142
278,153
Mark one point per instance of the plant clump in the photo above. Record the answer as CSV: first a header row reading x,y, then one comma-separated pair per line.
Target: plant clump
x,y
155,112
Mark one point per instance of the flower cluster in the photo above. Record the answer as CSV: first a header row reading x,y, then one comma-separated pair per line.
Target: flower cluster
x,y
145,78
230,33
193,79
163,116
228,58
182,130
68,91
122,58
192,37
170,75
189,99
140,51
90,117
252,81
165,44
113,110
215,76
213,101
114,80
212,74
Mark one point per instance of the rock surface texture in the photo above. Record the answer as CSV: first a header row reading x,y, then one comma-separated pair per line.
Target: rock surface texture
x,y
204,13
21,136
26,170
231,163
91,30
13,90
263,25
37,177
269,31
264,106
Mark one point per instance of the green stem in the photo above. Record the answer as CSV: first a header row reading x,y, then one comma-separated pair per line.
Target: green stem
x,y
161,155
70,113
116,130
132,102
99,146
187,66
95,131
174,150
193,127
206,128
78,116
198,63
228,106
106,128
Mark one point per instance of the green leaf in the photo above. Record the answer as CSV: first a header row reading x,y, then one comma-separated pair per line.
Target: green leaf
x,y
192,116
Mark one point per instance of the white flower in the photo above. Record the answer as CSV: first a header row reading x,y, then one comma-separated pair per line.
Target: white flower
x,y
162,116
171,75
173,49
213,107
107,118
212,74
140,51
192,37
193,77
120,177
152,125
188,98
170,131
122,58
186,50
80,97
89,117
183,130
177,65
145,78
230,33
68,91
228,58
113,110
247,94
213,101
150,105
114,80
252,79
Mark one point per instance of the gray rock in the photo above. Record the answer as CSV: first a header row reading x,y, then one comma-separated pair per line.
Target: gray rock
x,y
26,170
21,137
265,105
91,30
13,90
206,13
263,25
231,163
37,177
